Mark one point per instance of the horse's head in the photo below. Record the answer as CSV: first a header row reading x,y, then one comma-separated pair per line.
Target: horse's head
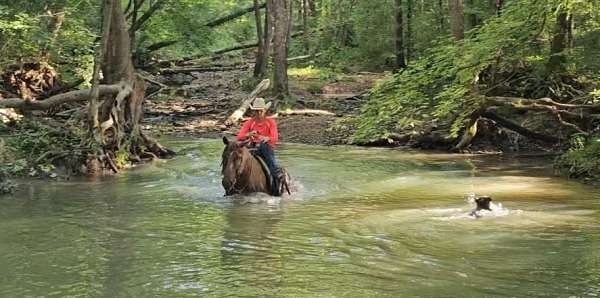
x,y
233,162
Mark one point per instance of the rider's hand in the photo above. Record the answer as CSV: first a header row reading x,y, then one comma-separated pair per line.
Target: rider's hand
x,y
250,134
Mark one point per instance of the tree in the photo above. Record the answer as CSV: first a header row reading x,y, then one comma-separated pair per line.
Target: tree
x,y
498,5
260,65
560,40
306,10
281,15
472,16
456,19
409,41
114,121
400,59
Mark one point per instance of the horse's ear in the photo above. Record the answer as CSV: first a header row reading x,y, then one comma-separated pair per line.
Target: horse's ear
x,y
225,140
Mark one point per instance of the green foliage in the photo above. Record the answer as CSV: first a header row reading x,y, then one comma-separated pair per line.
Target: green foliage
x,y
445,86
27,33
35,148
582,160
312,72
184,20
313,79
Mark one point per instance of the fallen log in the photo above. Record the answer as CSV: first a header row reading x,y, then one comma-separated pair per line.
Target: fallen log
x,y
519,129
243,46
146,16
201,69
214,23
159,45
233,16
239,113
306,112
64,88
297,58
73,96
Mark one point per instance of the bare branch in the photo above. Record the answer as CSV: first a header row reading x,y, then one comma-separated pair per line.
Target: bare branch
x,y
73,96
146,16
518,128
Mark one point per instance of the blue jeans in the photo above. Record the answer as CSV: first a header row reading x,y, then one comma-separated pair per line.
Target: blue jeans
x,y
266,152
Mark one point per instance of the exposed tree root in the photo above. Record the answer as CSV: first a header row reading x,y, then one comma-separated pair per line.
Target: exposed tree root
x,y
568,115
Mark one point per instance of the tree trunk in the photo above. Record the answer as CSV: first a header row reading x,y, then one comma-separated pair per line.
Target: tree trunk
x,y
305,16
313,8
499,4
281,15
56,21
472,16
409,41
456,19
400,59
570,31
441,15
134,19
290,19
262,62
114,123
261,43
558,59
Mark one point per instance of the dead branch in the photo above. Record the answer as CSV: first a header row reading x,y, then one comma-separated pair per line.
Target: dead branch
x,y
518,128
63,88
237,115
146,16
73,96
233,16
247,45
148,77
305,112
159,45
520,102
201,69
297,58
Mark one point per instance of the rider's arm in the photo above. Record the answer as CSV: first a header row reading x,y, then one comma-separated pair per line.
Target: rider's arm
x,y
243,134
274,134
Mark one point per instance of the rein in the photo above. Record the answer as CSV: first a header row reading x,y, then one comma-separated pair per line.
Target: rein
x,y
238,173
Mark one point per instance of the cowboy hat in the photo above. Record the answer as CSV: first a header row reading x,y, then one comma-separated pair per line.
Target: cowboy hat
x,y
259,104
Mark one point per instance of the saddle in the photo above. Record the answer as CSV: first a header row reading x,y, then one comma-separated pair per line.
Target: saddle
x,y
278,181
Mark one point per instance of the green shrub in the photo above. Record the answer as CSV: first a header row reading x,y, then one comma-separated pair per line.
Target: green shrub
x,y
582,160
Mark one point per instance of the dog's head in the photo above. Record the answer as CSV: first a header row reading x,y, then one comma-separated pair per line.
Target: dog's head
x,y
483,203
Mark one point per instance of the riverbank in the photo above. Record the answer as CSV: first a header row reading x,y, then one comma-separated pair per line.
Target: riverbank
x,y
322,110
319,111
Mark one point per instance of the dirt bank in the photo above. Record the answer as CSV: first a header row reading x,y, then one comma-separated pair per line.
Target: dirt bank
x,y
198,103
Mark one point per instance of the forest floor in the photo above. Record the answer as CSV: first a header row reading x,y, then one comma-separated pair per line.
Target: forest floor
x,y
197,104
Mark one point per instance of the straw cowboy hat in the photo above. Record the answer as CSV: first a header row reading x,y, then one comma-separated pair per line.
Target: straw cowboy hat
x,y
259,104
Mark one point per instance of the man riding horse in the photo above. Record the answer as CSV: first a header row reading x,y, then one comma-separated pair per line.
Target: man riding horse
x,y
261,133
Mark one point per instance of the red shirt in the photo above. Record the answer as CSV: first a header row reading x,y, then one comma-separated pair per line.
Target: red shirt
x,y
265,128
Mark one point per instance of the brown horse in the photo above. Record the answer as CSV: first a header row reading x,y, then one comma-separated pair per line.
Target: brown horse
x,y
242,173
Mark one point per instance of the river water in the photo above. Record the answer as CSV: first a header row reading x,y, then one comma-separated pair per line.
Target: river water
x,y
362,223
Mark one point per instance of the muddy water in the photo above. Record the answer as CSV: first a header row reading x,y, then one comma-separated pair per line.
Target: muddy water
x,y
363,222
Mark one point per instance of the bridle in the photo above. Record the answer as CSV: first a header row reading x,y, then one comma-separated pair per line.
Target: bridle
x,y
238,172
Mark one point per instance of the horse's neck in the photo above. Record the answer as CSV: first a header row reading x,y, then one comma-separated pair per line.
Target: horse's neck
x,y
252,168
